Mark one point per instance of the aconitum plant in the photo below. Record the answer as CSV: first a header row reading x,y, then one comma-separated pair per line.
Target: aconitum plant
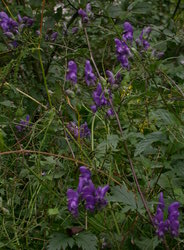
x,y
90,77
72,72
12,28
93,198
85,14
171,224
23,124
83,131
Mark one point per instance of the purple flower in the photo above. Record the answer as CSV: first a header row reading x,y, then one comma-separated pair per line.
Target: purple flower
x,y
84,16
83,130
100,196
53,36
110,76
123,53
86,193
73,201
75,30
171,224
128,32
72,72
173,215
90,77
23,124
142,40
110,112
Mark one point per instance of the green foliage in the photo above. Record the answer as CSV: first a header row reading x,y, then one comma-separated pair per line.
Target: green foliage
x,y
39,164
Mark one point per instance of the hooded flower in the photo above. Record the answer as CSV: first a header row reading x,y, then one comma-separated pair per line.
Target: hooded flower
x,y
86,193
171,224
23,124
72,72
90,77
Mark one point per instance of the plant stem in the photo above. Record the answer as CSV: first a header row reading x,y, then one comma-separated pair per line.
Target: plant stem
x,y
44,78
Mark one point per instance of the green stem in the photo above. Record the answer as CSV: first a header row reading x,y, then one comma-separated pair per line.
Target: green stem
x,y
44,78
86,220
92,133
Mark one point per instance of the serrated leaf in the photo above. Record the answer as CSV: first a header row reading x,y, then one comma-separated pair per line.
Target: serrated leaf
x,y
60,241
86,240
145,146
147,244
121,194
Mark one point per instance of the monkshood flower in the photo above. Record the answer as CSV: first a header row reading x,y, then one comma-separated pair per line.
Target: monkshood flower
x,y
86,193
23,124
99,98
8,24
173,215
86,14
113,80
142,40
72,72
12,28
90,77
73,201
171,224
123,53
83,130
128,32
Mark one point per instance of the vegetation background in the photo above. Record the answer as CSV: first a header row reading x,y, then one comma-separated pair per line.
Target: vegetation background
x,y
138,152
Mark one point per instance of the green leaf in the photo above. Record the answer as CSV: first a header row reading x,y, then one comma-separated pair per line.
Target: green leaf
x,y
145,146
8,103
60,241
53,211
147,244
121,194
86,241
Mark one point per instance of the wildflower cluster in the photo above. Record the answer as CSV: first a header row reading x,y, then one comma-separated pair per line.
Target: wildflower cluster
x,y
87,193
12,28
83,131
23,124
171,224
123,46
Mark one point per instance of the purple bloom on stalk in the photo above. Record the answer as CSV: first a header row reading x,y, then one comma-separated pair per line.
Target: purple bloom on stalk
x,y
100,196
86,193
171,224
53,36
110,76
128,32
75,30
73,201
84,16
72,72
123,53
142,40
23,124
173,215
83,130
110,112
90,77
